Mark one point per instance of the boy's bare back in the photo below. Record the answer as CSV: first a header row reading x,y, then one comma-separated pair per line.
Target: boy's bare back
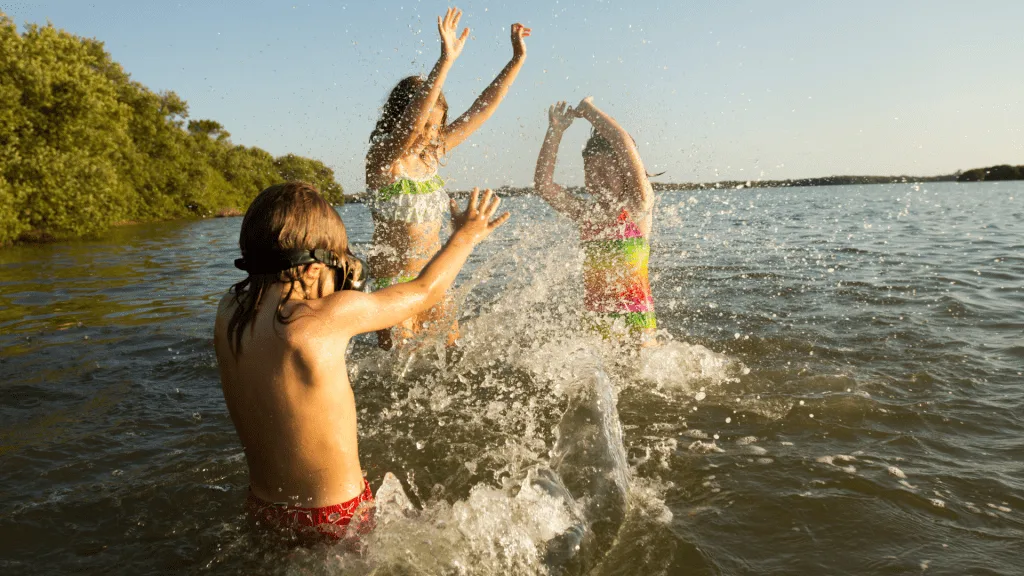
x,y
289,396
281,337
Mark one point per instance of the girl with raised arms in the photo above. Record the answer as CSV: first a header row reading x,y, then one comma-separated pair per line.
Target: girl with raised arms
x,y
614,225
406,196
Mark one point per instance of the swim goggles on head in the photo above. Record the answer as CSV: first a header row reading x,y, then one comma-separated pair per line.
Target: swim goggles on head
x,y
350,272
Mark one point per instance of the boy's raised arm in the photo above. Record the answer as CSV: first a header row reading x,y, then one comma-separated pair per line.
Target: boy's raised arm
x,y
358,313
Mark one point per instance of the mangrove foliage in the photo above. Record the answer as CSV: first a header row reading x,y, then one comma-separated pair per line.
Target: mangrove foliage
x,y
84,147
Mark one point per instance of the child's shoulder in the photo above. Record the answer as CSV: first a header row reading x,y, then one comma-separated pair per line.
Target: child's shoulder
x,y
228,303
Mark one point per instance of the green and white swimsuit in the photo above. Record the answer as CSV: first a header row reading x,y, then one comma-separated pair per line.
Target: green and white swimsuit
x,y
410,200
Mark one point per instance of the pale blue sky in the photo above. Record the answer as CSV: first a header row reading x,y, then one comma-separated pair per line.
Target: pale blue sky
x,y
769,89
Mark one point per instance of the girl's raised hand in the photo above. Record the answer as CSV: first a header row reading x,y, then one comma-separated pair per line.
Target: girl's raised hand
x,y
584,104
518,44
451,46
560,116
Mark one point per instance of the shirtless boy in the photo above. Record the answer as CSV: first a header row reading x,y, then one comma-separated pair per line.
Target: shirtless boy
x,y
281,336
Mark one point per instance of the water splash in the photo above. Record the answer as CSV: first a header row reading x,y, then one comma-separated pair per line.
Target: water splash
x,y
536,475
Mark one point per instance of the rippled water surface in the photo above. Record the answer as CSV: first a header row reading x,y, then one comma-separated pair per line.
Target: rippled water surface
x,y
840,392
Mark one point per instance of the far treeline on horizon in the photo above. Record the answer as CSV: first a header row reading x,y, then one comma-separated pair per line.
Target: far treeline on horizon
x,y
84,148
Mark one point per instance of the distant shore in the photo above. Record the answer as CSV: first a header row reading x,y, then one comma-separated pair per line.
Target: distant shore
x,y
989,174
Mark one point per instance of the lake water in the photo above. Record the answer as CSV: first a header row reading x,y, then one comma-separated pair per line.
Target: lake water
x,y
840,392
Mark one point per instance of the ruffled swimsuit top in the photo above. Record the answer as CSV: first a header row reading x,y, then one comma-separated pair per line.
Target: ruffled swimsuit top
x,y
411,200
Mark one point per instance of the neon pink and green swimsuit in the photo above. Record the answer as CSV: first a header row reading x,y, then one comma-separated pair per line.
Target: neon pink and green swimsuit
x,y
615,279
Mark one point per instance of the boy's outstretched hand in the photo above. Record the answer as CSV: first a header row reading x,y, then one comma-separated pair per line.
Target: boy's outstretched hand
x,y
477,221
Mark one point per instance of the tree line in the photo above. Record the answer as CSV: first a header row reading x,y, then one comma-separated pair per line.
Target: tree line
x,y
992,173
84,147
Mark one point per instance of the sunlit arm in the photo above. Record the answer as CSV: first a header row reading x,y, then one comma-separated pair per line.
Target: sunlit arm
x,y
485,104
544,176
624,147
385,308
357,313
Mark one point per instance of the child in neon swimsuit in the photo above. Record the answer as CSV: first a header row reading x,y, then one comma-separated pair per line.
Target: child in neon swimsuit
x,y
614,227
406,196
277,337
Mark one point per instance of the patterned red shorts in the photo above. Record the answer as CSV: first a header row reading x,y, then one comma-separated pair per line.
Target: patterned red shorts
x,y
312,524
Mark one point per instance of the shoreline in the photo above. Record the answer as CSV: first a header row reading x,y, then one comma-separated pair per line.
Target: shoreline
x,y
824,181
36,237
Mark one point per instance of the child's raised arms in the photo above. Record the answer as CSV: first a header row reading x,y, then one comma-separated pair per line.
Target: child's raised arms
x,y
485,104
625,150
398,143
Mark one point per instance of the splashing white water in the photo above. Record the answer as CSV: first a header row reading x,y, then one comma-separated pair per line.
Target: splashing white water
x,y
522,355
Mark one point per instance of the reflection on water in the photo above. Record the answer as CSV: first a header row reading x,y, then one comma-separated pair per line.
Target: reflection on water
x,y
136,276
839,392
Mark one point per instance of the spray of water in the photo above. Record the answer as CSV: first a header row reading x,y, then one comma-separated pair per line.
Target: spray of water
x,y
521,418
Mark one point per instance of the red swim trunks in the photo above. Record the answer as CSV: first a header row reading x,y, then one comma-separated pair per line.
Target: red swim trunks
x,y
312,524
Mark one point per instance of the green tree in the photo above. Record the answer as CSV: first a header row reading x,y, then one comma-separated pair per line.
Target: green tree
x,y
292,167
208,129
248,170
69,133
10,226
163,162
83,146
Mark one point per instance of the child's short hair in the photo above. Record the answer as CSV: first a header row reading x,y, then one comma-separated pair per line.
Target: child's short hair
x,y
283,218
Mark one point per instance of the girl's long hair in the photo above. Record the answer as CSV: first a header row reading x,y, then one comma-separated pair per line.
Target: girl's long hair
x,y
399,99
282,218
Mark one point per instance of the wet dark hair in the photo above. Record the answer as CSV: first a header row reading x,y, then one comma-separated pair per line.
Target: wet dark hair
x,y
398,100
283,218
598,144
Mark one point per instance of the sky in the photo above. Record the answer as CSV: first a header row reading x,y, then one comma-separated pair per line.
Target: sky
x,y
743,90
